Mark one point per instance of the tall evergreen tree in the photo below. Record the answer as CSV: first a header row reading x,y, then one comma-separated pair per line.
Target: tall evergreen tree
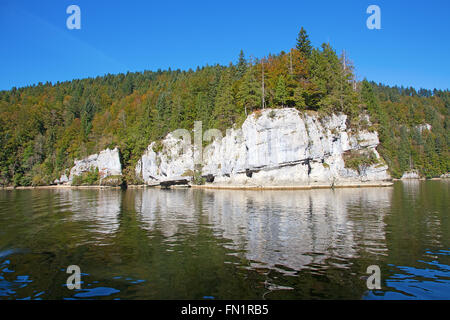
x,y
241,66
303,43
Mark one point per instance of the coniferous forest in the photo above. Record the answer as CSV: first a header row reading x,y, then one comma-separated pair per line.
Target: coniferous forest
x,y
44,127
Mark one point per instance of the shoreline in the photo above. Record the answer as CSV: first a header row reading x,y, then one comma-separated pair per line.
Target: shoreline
x,y
229,187
293,187
209,186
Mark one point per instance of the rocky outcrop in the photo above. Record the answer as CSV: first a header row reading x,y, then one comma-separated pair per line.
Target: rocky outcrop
x,y
62,180
274,147
173,161
410,175
423,127
107,162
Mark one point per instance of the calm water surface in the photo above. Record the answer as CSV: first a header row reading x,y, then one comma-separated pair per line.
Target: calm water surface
x,y
218,244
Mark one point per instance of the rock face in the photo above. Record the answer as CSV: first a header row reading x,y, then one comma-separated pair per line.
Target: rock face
x,y
275,147
423,127
174,161
410,175
107,162
62,180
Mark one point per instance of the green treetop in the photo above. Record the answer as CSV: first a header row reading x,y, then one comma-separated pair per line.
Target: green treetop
x,y
242,65
303,43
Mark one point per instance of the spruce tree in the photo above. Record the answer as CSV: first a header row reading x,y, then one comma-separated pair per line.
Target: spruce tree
x,y
303,43
241,66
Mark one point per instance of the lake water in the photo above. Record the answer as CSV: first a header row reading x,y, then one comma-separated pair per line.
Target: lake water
x,y
224,244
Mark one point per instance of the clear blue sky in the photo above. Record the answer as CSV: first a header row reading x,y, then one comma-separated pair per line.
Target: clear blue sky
x,y
411,49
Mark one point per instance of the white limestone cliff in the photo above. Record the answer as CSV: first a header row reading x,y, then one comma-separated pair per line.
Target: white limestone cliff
x,y
107,162
410,175
275,147
173,161
62,180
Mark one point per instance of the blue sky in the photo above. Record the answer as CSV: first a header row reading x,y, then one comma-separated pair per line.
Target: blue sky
x,y
411,49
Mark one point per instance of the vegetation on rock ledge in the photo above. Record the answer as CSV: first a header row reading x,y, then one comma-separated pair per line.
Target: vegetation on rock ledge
x,y
358,160
89,178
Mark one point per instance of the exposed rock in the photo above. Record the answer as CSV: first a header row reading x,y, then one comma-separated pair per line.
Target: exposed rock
x,y
423,127
62,180
410,175
275,147
173,161
107,162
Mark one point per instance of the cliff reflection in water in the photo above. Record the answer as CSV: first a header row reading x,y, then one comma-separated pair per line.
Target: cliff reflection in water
x,y
100,209
291,229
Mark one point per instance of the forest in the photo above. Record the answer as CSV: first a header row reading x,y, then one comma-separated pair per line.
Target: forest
x,y
44,127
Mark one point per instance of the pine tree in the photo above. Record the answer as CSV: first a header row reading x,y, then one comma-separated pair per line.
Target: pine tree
x,y
241,66
303,43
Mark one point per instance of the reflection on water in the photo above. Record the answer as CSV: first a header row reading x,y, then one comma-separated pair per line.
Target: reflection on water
x,y
166,210
224,244
100,209
296,229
